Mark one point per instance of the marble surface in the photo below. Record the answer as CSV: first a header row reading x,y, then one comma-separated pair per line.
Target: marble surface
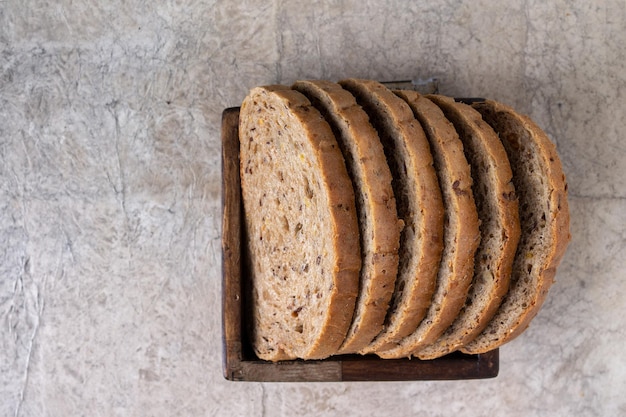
x,y
110,194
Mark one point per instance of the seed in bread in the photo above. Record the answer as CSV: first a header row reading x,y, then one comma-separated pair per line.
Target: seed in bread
x,y
301,226
419,202
497,206
544,218
375,204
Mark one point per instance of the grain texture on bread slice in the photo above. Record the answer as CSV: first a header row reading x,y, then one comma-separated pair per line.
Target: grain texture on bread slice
x,y
301,226
419,202
544,218
497,206
461,233
375,204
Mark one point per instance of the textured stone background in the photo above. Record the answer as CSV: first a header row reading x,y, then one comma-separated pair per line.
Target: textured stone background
x,y
110,194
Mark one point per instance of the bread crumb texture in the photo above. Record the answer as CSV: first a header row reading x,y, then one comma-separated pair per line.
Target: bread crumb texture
x,y
297,204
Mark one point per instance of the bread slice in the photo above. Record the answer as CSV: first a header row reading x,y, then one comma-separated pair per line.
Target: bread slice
x,y
301,225
461,233
498,213
419,203
375,205
544,216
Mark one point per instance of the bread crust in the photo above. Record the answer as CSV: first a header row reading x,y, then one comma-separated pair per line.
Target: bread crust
x,y
461,233
543,241
375,203
497,205
420,206
292,171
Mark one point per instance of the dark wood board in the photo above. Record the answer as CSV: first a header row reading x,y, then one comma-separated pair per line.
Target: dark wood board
x,y
240,363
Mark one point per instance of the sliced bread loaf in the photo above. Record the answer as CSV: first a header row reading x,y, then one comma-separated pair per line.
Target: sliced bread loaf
x,y
461,233
497,206
301,226
419,203
375,204
544,217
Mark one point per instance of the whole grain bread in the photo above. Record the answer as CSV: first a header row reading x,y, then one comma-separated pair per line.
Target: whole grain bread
x,y
375,204
544,217
301,227
497,206
461,233
420,206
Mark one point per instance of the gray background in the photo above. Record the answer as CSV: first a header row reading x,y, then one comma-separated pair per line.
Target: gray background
x,y
110,193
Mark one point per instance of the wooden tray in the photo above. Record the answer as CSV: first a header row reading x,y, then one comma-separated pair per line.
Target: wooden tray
x,y
240,363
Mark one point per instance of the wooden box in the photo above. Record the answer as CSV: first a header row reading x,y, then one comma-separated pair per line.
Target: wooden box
x,y
239,361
